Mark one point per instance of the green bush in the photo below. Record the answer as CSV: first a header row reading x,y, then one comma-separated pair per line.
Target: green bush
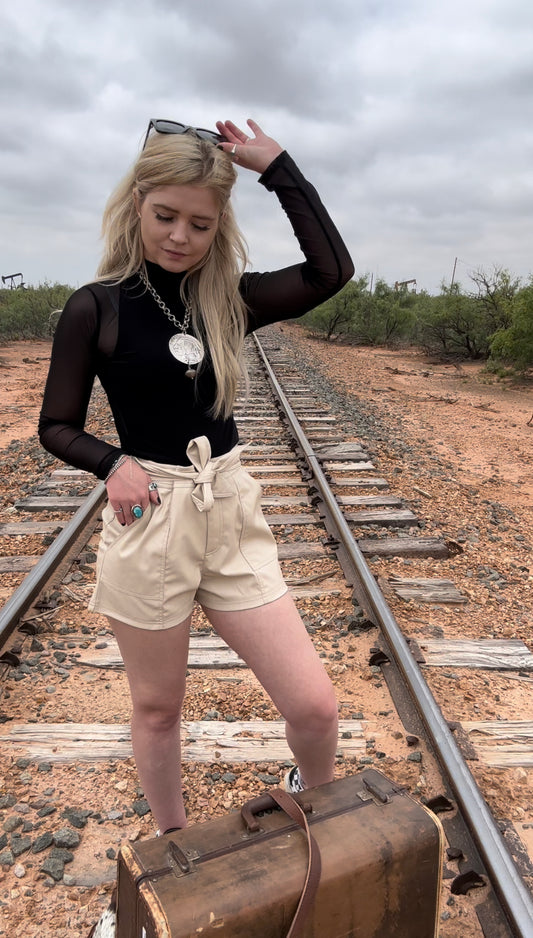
x,y
384,316
31,313
334,317
454,323
515,344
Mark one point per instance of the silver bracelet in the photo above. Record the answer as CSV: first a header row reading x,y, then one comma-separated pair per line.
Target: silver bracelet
x,y
116,465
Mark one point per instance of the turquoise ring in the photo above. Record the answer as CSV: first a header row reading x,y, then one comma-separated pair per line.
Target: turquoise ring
x,y
137,511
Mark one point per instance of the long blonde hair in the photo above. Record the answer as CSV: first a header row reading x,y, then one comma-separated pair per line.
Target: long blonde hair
x,y
211,288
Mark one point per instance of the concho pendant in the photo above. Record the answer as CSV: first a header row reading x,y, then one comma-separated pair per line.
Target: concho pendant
x,y
186,348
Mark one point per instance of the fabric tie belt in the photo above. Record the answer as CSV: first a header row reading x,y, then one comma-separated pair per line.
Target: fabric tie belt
x,y
202,473
199,453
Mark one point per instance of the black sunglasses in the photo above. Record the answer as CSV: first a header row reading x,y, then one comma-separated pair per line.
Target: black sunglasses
x,y
173,127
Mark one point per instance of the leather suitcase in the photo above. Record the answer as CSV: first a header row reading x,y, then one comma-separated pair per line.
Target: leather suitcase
x,y
373,855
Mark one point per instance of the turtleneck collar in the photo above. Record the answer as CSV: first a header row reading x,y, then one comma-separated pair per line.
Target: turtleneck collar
x,y
165,282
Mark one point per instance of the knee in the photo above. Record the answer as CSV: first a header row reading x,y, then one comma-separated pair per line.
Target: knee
x,y
157,717
317,715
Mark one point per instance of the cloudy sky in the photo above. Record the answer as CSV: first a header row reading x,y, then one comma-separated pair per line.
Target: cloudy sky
x,y
413,118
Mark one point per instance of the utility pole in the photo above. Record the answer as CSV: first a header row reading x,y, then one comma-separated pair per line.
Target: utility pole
x,y
453,274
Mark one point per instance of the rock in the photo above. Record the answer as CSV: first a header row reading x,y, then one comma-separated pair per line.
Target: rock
x,y
76,817
19,870
11,823
54,867
42,843
141,807
59,853
46,810
19,844
7,801
95,876
268,779
65,837
23,763
6,858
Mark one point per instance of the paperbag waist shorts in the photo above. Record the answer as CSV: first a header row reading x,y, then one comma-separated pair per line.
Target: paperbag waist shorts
x,y
207,541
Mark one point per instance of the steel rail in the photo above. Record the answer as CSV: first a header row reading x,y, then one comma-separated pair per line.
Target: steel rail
x,y
34,582
510,888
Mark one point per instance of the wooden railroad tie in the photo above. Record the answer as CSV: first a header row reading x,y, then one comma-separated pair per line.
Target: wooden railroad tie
x,y
203,741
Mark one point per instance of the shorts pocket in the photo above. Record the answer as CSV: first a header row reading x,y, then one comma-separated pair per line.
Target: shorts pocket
x,y
257,543
113,531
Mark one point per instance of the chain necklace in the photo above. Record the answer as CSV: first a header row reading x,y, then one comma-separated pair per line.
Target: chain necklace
x,y
185,348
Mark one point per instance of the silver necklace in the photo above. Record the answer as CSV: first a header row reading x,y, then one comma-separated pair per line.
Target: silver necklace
x,y
184,347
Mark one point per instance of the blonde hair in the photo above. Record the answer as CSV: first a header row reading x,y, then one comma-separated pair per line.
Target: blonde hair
x,y
211,288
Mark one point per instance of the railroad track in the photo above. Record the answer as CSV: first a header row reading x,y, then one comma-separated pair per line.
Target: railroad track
x,y
334,517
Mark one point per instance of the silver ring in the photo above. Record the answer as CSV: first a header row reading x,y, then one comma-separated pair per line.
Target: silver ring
x,y
234,147
118,510
152,487
137,511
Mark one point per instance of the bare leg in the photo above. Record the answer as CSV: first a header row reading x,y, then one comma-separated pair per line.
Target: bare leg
x,y
274,643
156,665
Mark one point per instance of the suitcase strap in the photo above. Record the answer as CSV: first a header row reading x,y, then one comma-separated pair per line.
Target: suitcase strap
x,y
314,865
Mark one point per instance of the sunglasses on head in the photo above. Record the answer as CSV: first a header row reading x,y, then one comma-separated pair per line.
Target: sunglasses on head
x,y
173,127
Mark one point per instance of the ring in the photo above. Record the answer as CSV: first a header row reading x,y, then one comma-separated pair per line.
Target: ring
x,y
137,511
152,487
234,147
118,510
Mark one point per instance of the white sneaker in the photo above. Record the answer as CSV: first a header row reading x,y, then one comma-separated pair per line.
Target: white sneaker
x,y
107,923
293,782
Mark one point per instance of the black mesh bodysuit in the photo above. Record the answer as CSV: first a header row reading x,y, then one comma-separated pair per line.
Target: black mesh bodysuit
x,y
155,407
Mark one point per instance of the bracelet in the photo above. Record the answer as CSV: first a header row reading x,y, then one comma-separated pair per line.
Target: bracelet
x,y
116,465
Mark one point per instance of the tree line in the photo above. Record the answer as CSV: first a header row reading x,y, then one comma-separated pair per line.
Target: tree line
x,y
32,312
492,320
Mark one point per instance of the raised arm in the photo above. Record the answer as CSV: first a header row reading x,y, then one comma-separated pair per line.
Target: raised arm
x,y
291,291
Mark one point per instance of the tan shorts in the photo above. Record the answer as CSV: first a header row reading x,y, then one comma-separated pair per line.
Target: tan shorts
x,y
207,541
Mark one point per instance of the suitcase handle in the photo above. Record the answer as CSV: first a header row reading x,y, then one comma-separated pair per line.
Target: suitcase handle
x,y
297,813
265,802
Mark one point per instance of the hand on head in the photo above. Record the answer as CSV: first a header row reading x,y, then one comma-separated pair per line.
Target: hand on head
x,y
255,152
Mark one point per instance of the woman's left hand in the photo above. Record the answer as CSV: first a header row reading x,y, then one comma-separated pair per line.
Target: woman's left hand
x,y
255,152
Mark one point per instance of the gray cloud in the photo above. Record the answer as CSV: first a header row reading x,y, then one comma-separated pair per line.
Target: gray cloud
x,y
413,121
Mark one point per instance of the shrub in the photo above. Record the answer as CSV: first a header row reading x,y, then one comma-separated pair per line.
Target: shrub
x,y
29,313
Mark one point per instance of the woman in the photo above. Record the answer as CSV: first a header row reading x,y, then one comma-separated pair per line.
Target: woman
x,y
163,329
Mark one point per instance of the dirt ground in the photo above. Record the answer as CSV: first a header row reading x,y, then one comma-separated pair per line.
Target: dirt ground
x,y
480,423
479,430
